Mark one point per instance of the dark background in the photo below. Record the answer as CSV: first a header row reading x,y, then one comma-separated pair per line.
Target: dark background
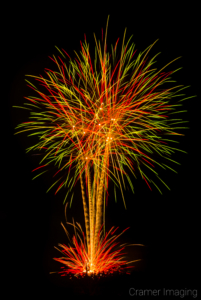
x,y
30,218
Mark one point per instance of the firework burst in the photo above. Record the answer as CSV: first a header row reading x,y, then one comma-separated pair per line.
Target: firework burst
x,y
102,119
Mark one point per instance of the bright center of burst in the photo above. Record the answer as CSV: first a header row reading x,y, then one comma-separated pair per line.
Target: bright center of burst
x,y
88,268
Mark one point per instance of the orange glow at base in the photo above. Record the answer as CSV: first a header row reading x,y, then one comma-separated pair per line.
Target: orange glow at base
x,y
106,260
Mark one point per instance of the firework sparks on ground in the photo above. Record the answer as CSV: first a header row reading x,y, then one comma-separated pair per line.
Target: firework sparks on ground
x,y
106,261
101,119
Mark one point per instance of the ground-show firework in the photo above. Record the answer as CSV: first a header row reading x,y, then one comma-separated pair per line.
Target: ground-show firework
x,y
106,259
100,120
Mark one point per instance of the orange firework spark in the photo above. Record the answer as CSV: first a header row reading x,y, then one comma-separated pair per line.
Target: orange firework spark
x,y
77,260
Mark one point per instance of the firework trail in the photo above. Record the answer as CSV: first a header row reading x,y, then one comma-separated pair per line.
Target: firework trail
x,y
100,120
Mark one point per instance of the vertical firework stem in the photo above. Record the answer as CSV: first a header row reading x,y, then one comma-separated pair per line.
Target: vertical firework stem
x,y
91,213
95,193
94,214
86,213
99,204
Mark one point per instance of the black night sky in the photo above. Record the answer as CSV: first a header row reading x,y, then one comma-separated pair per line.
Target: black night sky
x,y
31,218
